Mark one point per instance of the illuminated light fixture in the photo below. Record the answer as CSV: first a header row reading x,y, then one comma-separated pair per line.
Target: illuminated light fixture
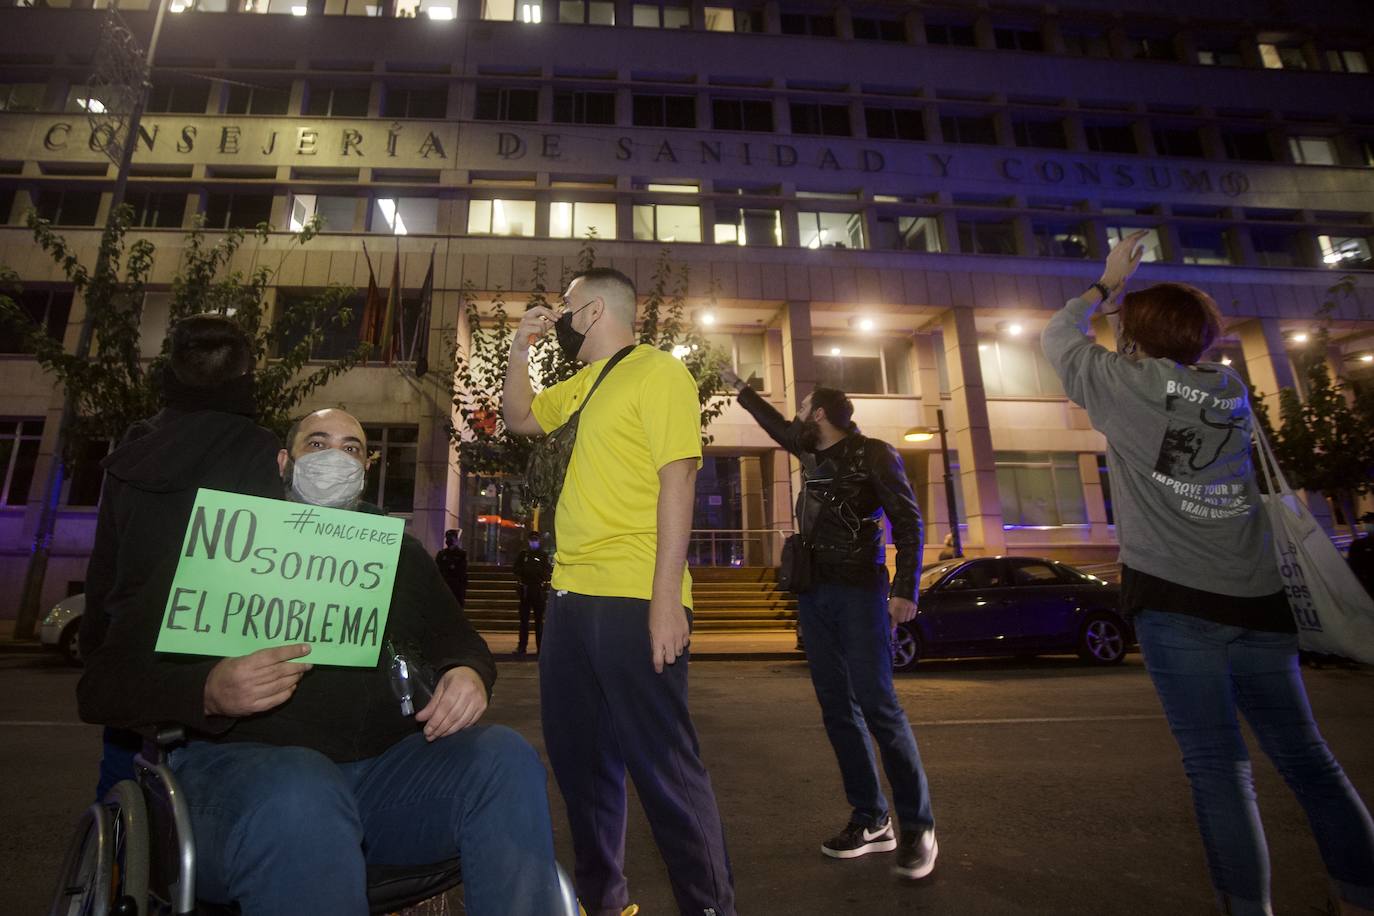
x,y
834,351
1013,328
1226,360
708,318
865,323
176,7
298,11
1367,358
531,13
919,434
681,350
94,106
1300,337
439,13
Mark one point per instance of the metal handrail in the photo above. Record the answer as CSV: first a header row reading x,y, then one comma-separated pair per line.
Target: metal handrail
x,y
736,546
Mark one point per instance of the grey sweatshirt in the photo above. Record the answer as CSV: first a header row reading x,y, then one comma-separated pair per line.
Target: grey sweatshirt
x,y
1187,507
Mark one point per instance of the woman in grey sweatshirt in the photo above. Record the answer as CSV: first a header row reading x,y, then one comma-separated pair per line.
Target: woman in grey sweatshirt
x,y
1200,580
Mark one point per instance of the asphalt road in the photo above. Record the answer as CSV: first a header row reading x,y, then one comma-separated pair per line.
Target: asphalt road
x,y
1057,789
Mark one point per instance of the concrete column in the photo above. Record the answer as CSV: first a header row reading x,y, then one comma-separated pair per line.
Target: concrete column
x,y
1093,497
432,453
1266,361
927,377
752,506
971,432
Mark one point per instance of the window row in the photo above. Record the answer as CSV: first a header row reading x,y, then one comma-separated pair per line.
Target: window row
x,y
1214,46
727,224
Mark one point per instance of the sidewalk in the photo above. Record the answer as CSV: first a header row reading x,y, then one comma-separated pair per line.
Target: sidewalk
x,y
10,645
745,645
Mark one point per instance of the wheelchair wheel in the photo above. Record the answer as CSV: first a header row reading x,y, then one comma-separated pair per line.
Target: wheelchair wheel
x,y
105,871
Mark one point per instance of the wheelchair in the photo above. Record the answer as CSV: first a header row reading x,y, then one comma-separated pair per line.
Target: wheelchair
x,y
133,854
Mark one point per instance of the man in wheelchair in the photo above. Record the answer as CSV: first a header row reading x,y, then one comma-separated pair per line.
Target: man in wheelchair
x,y
297,779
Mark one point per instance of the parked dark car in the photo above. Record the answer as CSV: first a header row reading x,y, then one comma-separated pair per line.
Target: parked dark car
x,y
1012,606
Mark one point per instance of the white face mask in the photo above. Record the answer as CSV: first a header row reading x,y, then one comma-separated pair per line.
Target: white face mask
x,y
328,478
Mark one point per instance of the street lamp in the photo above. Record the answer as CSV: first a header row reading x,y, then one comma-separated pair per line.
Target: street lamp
x,y
925,434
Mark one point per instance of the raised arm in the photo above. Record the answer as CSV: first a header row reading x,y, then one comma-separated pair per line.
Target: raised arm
x,y
778,427
517,395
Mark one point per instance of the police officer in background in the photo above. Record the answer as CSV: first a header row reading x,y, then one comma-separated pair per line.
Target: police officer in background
x,y
533,570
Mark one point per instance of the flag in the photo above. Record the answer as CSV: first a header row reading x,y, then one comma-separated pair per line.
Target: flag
x,y
419,345
372,309
393,295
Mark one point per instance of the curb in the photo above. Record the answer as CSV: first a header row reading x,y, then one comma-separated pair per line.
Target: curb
x,y
22,647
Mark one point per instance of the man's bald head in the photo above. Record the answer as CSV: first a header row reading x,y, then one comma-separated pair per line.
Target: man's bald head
x,y
612,287
329,427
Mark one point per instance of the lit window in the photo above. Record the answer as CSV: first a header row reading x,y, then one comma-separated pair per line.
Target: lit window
x,y
405,215
831,230
1312,150
1282,57
863,364
1152,251
580,220
1040,489
586,12
747,226
1347,61
524,11
1345,252
667,223
336,213
22,96
725,19
655,16
501,217
87,98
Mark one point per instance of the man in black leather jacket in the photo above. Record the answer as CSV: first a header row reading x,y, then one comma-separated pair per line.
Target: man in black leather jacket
x,y
848,611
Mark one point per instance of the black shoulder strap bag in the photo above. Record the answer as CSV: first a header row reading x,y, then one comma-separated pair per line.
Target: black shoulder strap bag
x,y
794,567
548,465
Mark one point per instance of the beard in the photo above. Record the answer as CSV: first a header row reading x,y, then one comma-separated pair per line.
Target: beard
x,y
810,435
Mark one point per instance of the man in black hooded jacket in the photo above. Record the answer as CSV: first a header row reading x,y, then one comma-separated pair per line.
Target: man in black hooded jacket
x,y
296,777
848,610
206,435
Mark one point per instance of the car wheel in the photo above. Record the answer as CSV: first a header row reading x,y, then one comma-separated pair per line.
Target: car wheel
x,y
69,644
906,647
1102,640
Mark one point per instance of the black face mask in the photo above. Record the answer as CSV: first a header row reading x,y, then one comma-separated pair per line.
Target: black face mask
x,y
570,339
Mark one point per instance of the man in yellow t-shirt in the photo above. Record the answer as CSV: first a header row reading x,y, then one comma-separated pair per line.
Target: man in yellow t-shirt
x,y
613,663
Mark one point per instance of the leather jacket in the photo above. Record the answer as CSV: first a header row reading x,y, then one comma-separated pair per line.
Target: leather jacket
x,y
842,496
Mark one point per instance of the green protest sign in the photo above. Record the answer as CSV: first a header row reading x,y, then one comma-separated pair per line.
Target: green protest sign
x,y
255,573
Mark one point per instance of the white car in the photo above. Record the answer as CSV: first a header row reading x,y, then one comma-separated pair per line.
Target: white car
x,y
61,627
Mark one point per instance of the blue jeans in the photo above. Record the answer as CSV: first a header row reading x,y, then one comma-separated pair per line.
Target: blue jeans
x,y
285,830
848,644
1204,672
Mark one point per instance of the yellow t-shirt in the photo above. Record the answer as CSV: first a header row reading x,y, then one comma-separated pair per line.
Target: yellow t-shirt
x,y
644,415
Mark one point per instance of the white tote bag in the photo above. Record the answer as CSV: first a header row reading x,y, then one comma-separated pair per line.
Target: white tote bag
x,y
1334,614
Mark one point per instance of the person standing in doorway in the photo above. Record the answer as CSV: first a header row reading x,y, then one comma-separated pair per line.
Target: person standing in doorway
x,y
1200,580
613,663
453,564
533,570
848,612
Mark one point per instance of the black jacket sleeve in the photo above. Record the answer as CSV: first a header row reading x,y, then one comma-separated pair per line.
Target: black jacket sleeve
x,y
774,424
450,640
888,474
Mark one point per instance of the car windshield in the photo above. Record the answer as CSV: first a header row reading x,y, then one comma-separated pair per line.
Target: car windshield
x,y
934,573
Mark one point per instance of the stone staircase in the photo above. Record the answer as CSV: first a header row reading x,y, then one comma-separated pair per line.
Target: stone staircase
x,y
724,599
